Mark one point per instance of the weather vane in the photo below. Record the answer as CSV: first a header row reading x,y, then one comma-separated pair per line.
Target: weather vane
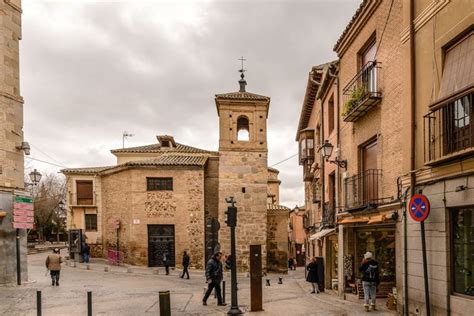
x,y
242,70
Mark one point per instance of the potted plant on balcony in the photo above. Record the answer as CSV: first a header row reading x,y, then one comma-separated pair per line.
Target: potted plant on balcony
x,y
354,99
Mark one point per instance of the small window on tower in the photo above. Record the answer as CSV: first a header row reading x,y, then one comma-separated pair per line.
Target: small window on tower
x,y
243,128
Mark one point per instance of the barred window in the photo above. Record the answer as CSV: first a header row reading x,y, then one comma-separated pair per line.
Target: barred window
x,y
91,222
159,184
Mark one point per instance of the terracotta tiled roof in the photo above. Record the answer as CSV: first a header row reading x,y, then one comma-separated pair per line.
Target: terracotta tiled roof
x,y
89,170
169,160
156,148
351,23
315,78
277,208
242,95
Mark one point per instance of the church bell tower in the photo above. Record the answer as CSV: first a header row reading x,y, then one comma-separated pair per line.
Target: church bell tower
x,y
243,169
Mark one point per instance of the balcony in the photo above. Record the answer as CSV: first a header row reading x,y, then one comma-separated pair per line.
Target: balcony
x,y
449,130
363,190
78,200
362,93
329,216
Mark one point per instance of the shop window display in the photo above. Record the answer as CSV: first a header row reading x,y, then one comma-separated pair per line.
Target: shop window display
x,y
463,250
381,243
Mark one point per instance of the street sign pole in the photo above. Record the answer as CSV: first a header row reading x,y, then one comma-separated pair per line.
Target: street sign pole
x,y
419,209
18,259
425,268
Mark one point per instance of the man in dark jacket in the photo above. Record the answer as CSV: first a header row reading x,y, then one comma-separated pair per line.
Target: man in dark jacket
x,y
166,262
86,250
312,275
185,265
214,278
370,279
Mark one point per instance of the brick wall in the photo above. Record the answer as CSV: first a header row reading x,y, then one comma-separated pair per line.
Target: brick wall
x,y
385,120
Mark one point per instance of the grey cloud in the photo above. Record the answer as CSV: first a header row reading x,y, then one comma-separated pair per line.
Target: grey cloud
x,y
89,71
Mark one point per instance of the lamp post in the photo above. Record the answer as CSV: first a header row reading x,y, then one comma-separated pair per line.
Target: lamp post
x,y
232,222
326,149
35,178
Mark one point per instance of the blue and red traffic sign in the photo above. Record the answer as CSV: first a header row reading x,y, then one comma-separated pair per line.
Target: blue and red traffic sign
x,y
419,207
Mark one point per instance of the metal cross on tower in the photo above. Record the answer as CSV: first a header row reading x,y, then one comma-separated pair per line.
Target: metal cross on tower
x,y
242,81
242,70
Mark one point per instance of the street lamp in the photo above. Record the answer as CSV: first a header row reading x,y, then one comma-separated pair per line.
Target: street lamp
x,y
326,149
35,177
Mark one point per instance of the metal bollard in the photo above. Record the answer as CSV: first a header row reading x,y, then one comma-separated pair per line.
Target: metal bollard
x,y
268,282
106,269
165,305
38,303
89,303
280,280
223,291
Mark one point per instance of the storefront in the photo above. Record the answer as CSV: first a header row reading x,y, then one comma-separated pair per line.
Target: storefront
x,y
327,245
361,234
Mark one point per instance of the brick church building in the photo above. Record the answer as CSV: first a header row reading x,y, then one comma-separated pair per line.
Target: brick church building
x,y
168,196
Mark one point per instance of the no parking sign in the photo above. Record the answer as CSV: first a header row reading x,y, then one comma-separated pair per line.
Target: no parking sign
x,y
419,207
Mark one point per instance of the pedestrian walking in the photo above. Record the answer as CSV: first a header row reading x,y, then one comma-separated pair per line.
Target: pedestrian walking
x,y
312,275
370,279
185,265
290,263
294,264
86,253
53,264
214,278
166,262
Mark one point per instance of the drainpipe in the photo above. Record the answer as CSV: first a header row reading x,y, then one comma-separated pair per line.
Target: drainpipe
x,y
412,150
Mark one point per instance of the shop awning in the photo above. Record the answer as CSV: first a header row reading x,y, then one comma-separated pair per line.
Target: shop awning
x,y
373,219
322,233
352,220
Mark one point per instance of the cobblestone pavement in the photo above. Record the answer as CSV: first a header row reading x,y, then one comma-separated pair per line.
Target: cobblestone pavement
x,y
134,291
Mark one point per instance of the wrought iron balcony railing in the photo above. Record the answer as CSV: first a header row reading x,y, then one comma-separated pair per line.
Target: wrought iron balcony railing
x,y
363,189
449,130
362,93
329,215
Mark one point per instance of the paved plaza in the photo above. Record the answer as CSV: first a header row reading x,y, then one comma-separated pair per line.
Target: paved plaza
x,y
123,291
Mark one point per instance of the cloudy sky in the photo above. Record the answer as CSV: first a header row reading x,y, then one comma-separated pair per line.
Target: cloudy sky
x,y
93,69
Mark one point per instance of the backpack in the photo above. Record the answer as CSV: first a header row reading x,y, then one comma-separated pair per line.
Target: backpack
x,y
371,273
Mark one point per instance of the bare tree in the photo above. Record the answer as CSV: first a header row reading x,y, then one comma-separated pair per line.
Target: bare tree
x,y
47,198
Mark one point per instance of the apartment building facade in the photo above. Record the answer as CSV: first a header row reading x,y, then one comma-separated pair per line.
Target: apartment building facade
x,y
437,43
318,125
371,90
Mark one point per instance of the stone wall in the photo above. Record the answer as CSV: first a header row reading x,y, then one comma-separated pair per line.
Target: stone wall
x,y
125,196
239,172
211,204
277,241
11,135
8,244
